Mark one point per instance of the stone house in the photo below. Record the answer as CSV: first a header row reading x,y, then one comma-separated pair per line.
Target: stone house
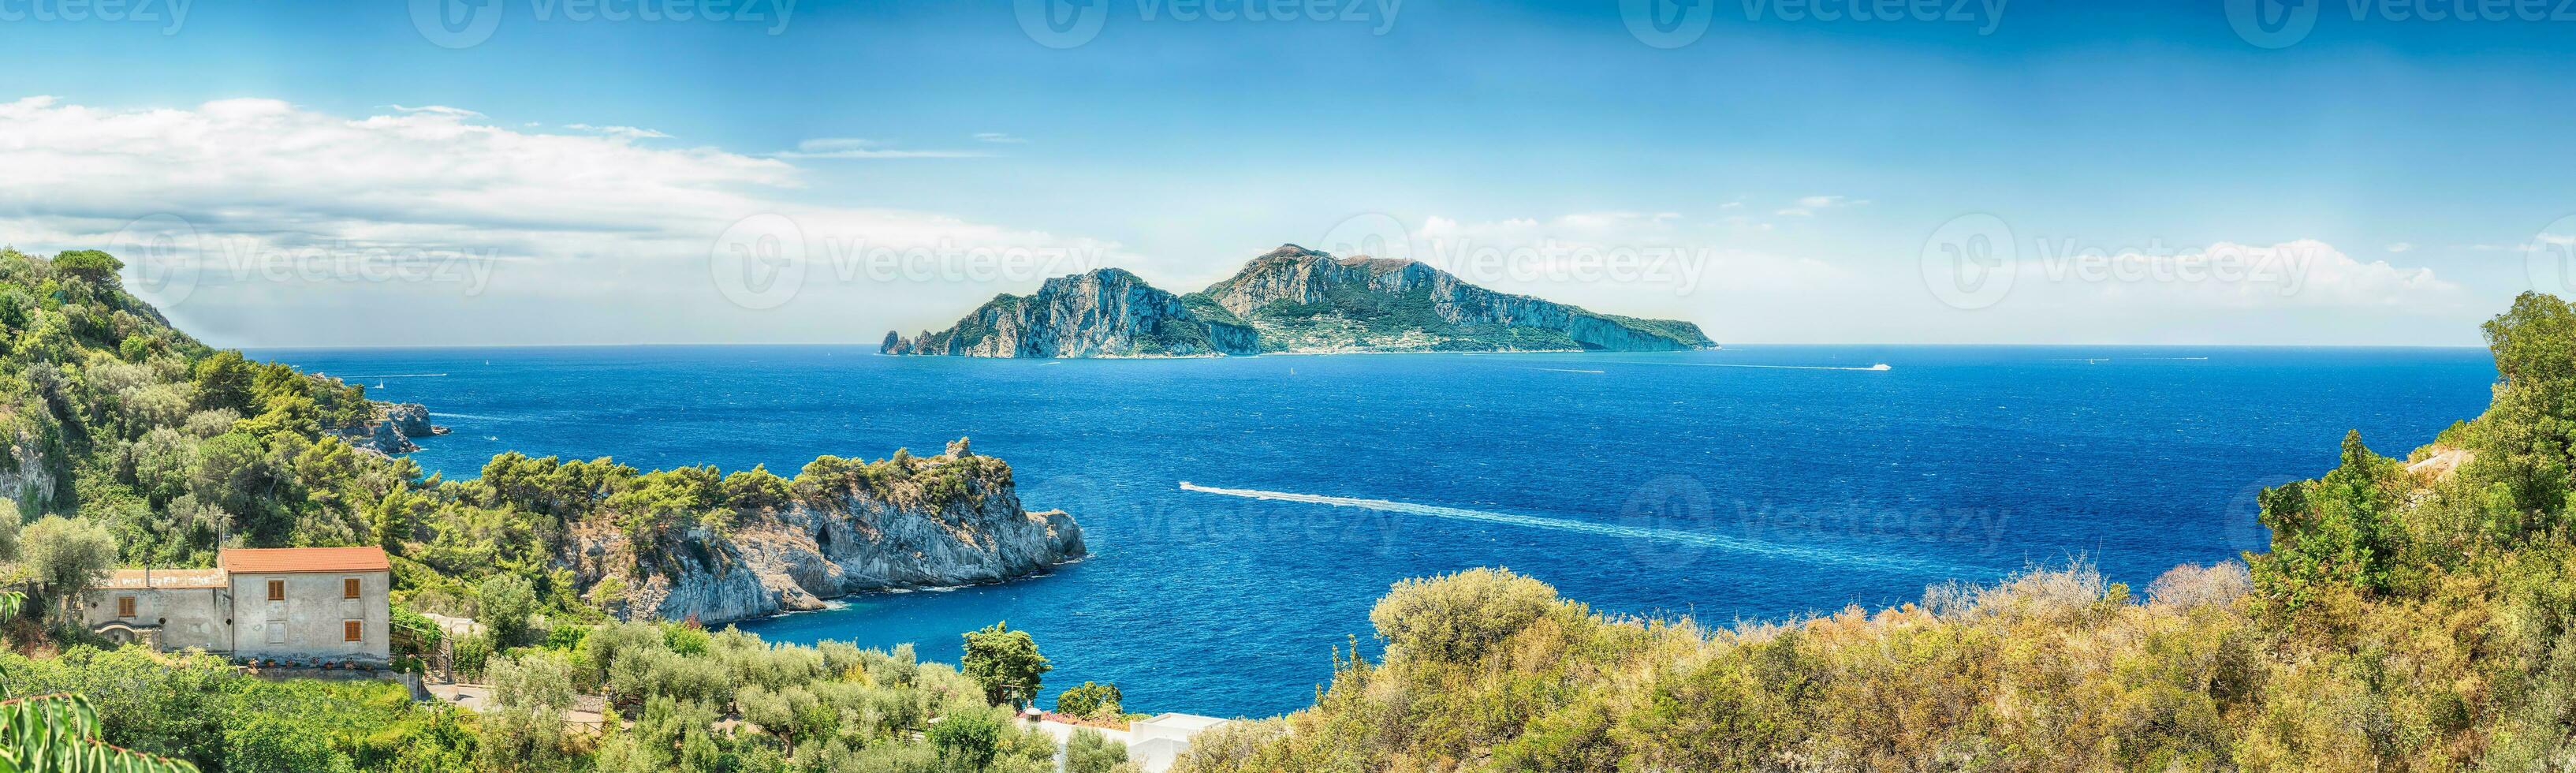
x,y
298,605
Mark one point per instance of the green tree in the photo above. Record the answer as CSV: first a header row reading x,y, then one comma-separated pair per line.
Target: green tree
x,y
969,739
1006,663
1089,751
224,381
93,265
1088,699
67,555
504,603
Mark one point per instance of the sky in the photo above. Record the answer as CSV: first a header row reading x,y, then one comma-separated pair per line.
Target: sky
x,y
504,172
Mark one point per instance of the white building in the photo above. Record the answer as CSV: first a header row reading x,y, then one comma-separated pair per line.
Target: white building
x,y
1154,743
299,605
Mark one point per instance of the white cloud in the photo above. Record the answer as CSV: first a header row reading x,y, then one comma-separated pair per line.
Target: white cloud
x,y
2298,274
620,132
2401,247
293,217
1808,206
999,138
854,147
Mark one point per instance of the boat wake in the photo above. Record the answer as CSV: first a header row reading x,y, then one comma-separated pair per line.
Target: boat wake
x,y
1877,367
1811,554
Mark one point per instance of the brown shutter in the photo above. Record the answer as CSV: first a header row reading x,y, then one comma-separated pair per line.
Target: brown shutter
x,y
352,630
349,588
277,590
125,606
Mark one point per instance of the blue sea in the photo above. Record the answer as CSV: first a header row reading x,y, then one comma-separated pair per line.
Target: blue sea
x,y
1757,482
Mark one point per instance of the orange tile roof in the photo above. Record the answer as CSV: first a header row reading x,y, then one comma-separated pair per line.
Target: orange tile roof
x,y
283,560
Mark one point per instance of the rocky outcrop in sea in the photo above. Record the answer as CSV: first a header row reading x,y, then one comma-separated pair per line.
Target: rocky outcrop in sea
x,y
1104,313
392,431
947,520
1291,300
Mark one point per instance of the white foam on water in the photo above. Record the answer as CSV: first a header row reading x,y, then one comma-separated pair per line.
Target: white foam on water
x,y
1716,541
1878,367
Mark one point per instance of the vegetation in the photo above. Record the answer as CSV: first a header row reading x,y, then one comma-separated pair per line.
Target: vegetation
x,y
2414,615
125,442
1090,700
1006,664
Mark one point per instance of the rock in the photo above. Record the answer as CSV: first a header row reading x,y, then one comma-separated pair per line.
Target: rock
x,y
412,419
391,433
832,544
24,475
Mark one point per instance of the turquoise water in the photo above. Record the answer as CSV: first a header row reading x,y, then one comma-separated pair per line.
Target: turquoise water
x,y
1661,484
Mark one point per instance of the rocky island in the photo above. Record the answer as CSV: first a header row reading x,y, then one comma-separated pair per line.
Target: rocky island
x,y
1290,300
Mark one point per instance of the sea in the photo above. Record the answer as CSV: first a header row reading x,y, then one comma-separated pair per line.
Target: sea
x,y
1244,514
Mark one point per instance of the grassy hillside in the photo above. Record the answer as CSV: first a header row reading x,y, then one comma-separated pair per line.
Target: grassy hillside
x,y
2411,615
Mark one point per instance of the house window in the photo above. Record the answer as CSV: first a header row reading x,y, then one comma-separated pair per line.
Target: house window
x,y
353,630
277,590
125,606
349,588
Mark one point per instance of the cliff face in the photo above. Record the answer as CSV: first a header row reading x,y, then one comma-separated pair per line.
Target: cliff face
x,y
1104,313
1305,300
1291,299
955,520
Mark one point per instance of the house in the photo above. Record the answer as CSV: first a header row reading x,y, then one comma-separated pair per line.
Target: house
x,y
305,605
1155,743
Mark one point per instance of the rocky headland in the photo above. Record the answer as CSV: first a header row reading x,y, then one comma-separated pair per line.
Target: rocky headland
x,y
842,527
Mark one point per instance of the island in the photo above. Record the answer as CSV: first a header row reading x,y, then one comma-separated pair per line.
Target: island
x,y
1291,300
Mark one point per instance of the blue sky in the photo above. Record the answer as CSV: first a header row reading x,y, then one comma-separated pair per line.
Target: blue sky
x,y
2399,168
